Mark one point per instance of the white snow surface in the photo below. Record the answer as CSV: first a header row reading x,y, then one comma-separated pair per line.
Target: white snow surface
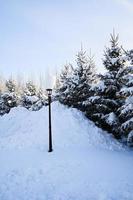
x,y
86,164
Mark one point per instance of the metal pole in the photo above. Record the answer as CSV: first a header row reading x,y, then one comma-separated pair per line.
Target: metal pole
x,y
50,127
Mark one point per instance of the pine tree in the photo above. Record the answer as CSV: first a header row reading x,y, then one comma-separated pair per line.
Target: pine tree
x,y
125,112
75,83
29,97
8,98
79,85
64,85
84,77
42,100
32,98
10,84
3,107
105,102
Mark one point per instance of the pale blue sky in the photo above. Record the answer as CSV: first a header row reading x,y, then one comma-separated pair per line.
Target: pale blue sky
x,y
36,35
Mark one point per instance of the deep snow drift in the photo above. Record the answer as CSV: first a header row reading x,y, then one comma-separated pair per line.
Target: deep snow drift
x,y
86,164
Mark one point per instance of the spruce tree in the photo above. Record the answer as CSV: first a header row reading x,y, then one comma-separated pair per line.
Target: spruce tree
x,y
86,77
29,97
10,84
3,107
125,112
83,78
8,98
32,98
105,102
64,85
75,82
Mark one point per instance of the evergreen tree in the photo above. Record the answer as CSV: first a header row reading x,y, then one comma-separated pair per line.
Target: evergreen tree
x,y
10,84
8,98
84,77
32,98
105,102
3,107
42,100
29,97
125,112
64,85
75,83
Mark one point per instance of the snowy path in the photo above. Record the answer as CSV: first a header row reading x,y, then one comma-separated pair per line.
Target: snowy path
x,y
86,164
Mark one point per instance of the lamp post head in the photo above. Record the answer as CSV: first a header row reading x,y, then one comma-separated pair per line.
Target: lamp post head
x,y
49,91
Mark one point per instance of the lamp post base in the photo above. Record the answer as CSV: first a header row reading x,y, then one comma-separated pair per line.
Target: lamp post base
x,y
50,150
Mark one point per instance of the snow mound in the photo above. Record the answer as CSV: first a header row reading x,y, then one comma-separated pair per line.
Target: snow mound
x,y
22,128
86,163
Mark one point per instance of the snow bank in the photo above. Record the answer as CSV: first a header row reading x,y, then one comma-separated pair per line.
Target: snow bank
x,y
86,162
22,128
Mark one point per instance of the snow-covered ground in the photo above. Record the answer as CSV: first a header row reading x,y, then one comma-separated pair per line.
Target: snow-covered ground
x,y
86,164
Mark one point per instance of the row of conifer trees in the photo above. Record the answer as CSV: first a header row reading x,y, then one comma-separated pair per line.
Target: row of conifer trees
x,y
13,94
106,99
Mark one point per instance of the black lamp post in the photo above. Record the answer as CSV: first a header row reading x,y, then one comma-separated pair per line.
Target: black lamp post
x,y
49,92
